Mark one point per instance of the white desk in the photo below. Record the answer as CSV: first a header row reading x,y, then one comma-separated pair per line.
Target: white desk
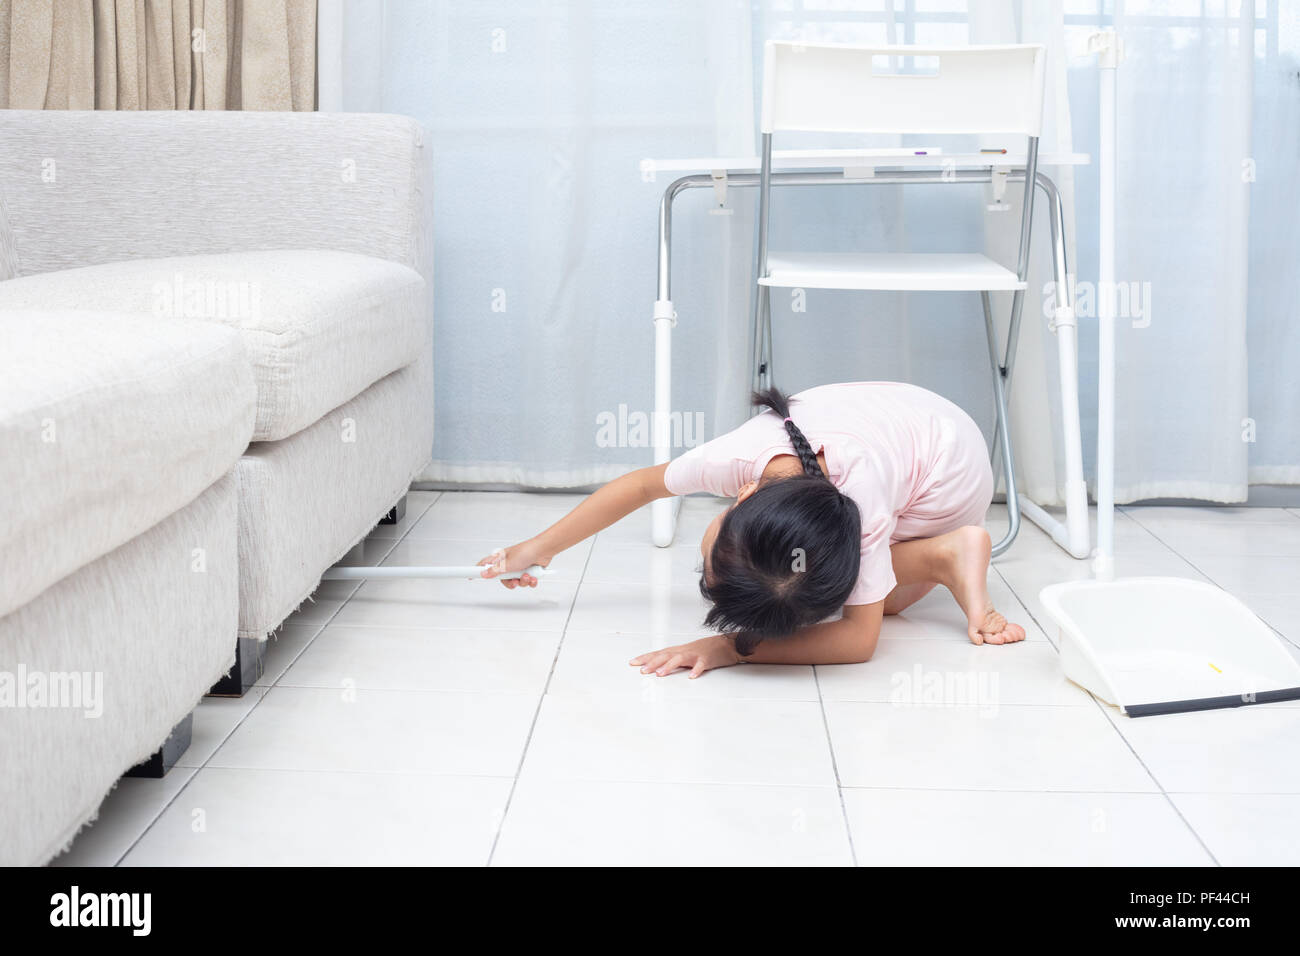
x,y
893,156
887,166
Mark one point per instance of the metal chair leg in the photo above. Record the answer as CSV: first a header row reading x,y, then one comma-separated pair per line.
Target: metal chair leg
x,y
1008,362
763,300
765,360
1003,430
761,350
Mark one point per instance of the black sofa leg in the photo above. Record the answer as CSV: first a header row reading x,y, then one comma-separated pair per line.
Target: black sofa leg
x,y
250,658
395,513
164,758
250,653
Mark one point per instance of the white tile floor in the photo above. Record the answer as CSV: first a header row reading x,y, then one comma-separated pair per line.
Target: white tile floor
x,y
454,722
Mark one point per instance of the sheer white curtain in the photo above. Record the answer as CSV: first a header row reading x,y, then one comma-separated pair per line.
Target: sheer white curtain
x,y
1194,167
1207,395
540,113
1273,305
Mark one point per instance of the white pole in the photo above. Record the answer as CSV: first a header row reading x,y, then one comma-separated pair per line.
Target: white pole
x,y
663,511
1076,489
1110,50
469,572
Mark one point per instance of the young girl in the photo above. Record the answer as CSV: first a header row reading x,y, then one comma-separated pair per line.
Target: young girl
x,y
855,498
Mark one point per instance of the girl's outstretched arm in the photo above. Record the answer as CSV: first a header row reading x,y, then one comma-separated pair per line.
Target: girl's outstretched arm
x,y
613,501
850,640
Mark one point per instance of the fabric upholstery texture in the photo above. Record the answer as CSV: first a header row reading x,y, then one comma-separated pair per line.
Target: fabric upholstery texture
x,y
8,254
110,423
156,620
305,500
84,188
319,326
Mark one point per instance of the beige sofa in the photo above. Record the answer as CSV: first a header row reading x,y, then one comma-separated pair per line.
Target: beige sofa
x,y
224,322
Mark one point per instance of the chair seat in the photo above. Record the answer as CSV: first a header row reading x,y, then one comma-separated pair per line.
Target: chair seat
x,y
319,327
898,272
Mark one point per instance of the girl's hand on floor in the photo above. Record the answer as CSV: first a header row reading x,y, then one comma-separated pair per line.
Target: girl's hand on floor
x,y
699,656
515,558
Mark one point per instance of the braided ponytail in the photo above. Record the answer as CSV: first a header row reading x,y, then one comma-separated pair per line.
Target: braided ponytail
x,y
754,589
774,399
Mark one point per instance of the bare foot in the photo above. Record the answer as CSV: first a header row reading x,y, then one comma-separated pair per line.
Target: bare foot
x,y
969,553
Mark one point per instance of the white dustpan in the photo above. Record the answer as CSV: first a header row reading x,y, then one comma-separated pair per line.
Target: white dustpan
x,y
1168,645
1151,645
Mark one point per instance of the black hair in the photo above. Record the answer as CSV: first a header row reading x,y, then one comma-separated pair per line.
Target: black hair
x,y
785,557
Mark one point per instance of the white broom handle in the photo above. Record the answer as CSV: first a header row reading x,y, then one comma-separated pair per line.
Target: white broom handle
x,y
470,572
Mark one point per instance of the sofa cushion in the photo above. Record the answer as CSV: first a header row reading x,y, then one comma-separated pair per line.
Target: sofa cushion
x,y
305,501
320,327
8,254
109,424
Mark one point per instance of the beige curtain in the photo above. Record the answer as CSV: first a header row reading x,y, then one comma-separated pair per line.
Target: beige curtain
x,y
158,54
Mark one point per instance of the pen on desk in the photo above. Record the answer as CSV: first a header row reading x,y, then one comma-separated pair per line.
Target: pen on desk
x,y
992,150
920,152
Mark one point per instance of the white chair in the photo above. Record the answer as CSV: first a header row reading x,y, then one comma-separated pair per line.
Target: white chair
x,y
833,88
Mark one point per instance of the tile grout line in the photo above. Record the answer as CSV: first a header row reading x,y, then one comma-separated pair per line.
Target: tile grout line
x,y
835,768
1025,604
1100,706
351,594
1185,558
176,796
1156,780
541,699
1207,577
1170,800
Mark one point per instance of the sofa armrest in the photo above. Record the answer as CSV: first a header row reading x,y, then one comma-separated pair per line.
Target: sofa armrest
x,y
82,188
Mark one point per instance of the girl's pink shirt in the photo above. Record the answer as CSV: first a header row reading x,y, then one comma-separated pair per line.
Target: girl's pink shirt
x,y
890,447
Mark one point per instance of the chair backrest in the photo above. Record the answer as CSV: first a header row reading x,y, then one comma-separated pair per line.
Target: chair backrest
x,y
902,89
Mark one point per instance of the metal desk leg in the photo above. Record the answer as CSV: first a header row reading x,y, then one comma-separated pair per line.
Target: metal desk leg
x,y
1073,534
1000,371
663,512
